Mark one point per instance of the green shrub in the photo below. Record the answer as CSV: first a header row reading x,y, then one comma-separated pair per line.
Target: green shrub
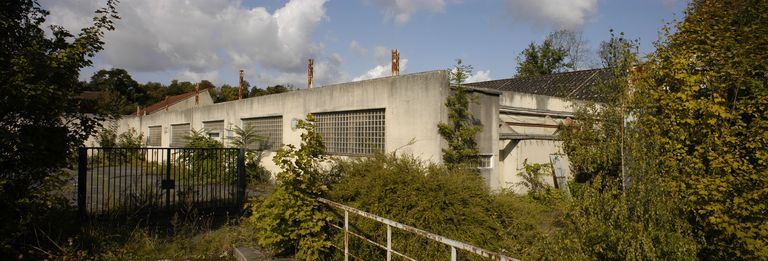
x,y
452,203
203,163
107,137
291,219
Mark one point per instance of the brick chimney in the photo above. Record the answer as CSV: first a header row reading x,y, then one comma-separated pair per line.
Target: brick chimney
x,y
395,62
197,94
240,92
310,72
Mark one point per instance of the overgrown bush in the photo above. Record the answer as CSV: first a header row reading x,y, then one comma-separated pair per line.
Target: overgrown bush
x,y
201,162
130,139
291,219
452,203
107,137
254,146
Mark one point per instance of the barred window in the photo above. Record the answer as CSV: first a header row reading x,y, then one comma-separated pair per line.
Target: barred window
x,y
155,137
179,132
354,133
215,129
270,128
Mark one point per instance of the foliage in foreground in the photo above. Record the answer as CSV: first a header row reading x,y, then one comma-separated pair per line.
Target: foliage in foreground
x,y
254,145
706,98
291,219
39,120
461,129
452,203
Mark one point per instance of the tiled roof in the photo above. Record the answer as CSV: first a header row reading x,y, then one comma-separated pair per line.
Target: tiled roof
x,y
573,85
167,102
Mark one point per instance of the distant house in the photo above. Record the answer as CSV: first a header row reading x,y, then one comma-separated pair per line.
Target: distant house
x,y
519,117
180,102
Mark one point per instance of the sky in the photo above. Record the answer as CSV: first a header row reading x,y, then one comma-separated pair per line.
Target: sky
x,y
350,40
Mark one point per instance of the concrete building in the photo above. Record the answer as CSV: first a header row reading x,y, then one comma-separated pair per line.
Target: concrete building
x,y
398,113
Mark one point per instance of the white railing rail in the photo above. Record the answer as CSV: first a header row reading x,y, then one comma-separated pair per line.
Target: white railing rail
x,y
447,241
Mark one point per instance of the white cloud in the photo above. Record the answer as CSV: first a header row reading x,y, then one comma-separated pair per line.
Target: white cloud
x,y
402,10
560,14
200,37
381,71
480,76
382,55
356,48
326,71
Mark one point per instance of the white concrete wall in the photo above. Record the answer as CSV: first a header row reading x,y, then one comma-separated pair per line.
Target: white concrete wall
x,y
513,154
413,107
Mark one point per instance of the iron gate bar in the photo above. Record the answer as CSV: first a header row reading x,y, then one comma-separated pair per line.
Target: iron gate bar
x,y
450,242
122,177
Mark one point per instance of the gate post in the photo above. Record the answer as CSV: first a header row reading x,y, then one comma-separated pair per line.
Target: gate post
x,y
82,171
241,177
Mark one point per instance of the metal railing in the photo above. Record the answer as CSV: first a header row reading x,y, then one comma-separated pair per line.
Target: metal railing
x,y
116,180
453,244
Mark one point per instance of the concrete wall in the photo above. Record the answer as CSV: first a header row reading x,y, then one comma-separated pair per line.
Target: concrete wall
x,y
413,104
513,153
485,109
413,107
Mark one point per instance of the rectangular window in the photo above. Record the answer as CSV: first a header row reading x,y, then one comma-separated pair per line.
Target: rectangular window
x,y
485,161
155,137
271,128
179,134
214,128
354,133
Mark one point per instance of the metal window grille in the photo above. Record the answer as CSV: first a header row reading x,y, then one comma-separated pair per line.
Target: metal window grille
x,y
354,133
214,128
155,136
269,127
179,132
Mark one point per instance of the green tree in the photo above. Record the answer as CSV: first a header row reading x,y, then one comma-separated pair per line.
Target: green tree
x,y
595,142
462,127
623,207
573,43
176,87
117,80
39,120
226,93
543,59
155,91
255,91
292,219
707,98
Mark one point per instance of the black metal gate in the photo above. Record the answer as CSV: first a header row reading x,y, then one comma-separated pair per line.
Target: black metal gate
x,y
119,181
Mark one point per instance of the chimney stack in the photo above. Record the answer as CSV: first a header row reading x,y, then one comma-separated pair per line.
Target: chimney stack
x,y
240,92
197,94
310,73
395,62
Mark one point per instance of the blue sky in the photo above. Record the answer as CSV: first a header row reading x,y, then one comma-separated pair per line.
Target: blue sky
x,y
349,40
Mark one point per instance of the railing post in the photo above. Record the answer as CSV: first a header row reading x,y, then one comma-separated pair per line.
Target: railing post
x,y
453,253
346,235
168,178
389,242
241,177
82,172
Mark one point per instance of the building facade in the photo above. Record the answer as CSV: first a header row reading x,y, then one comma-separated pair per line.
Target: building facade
x,y
391,114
